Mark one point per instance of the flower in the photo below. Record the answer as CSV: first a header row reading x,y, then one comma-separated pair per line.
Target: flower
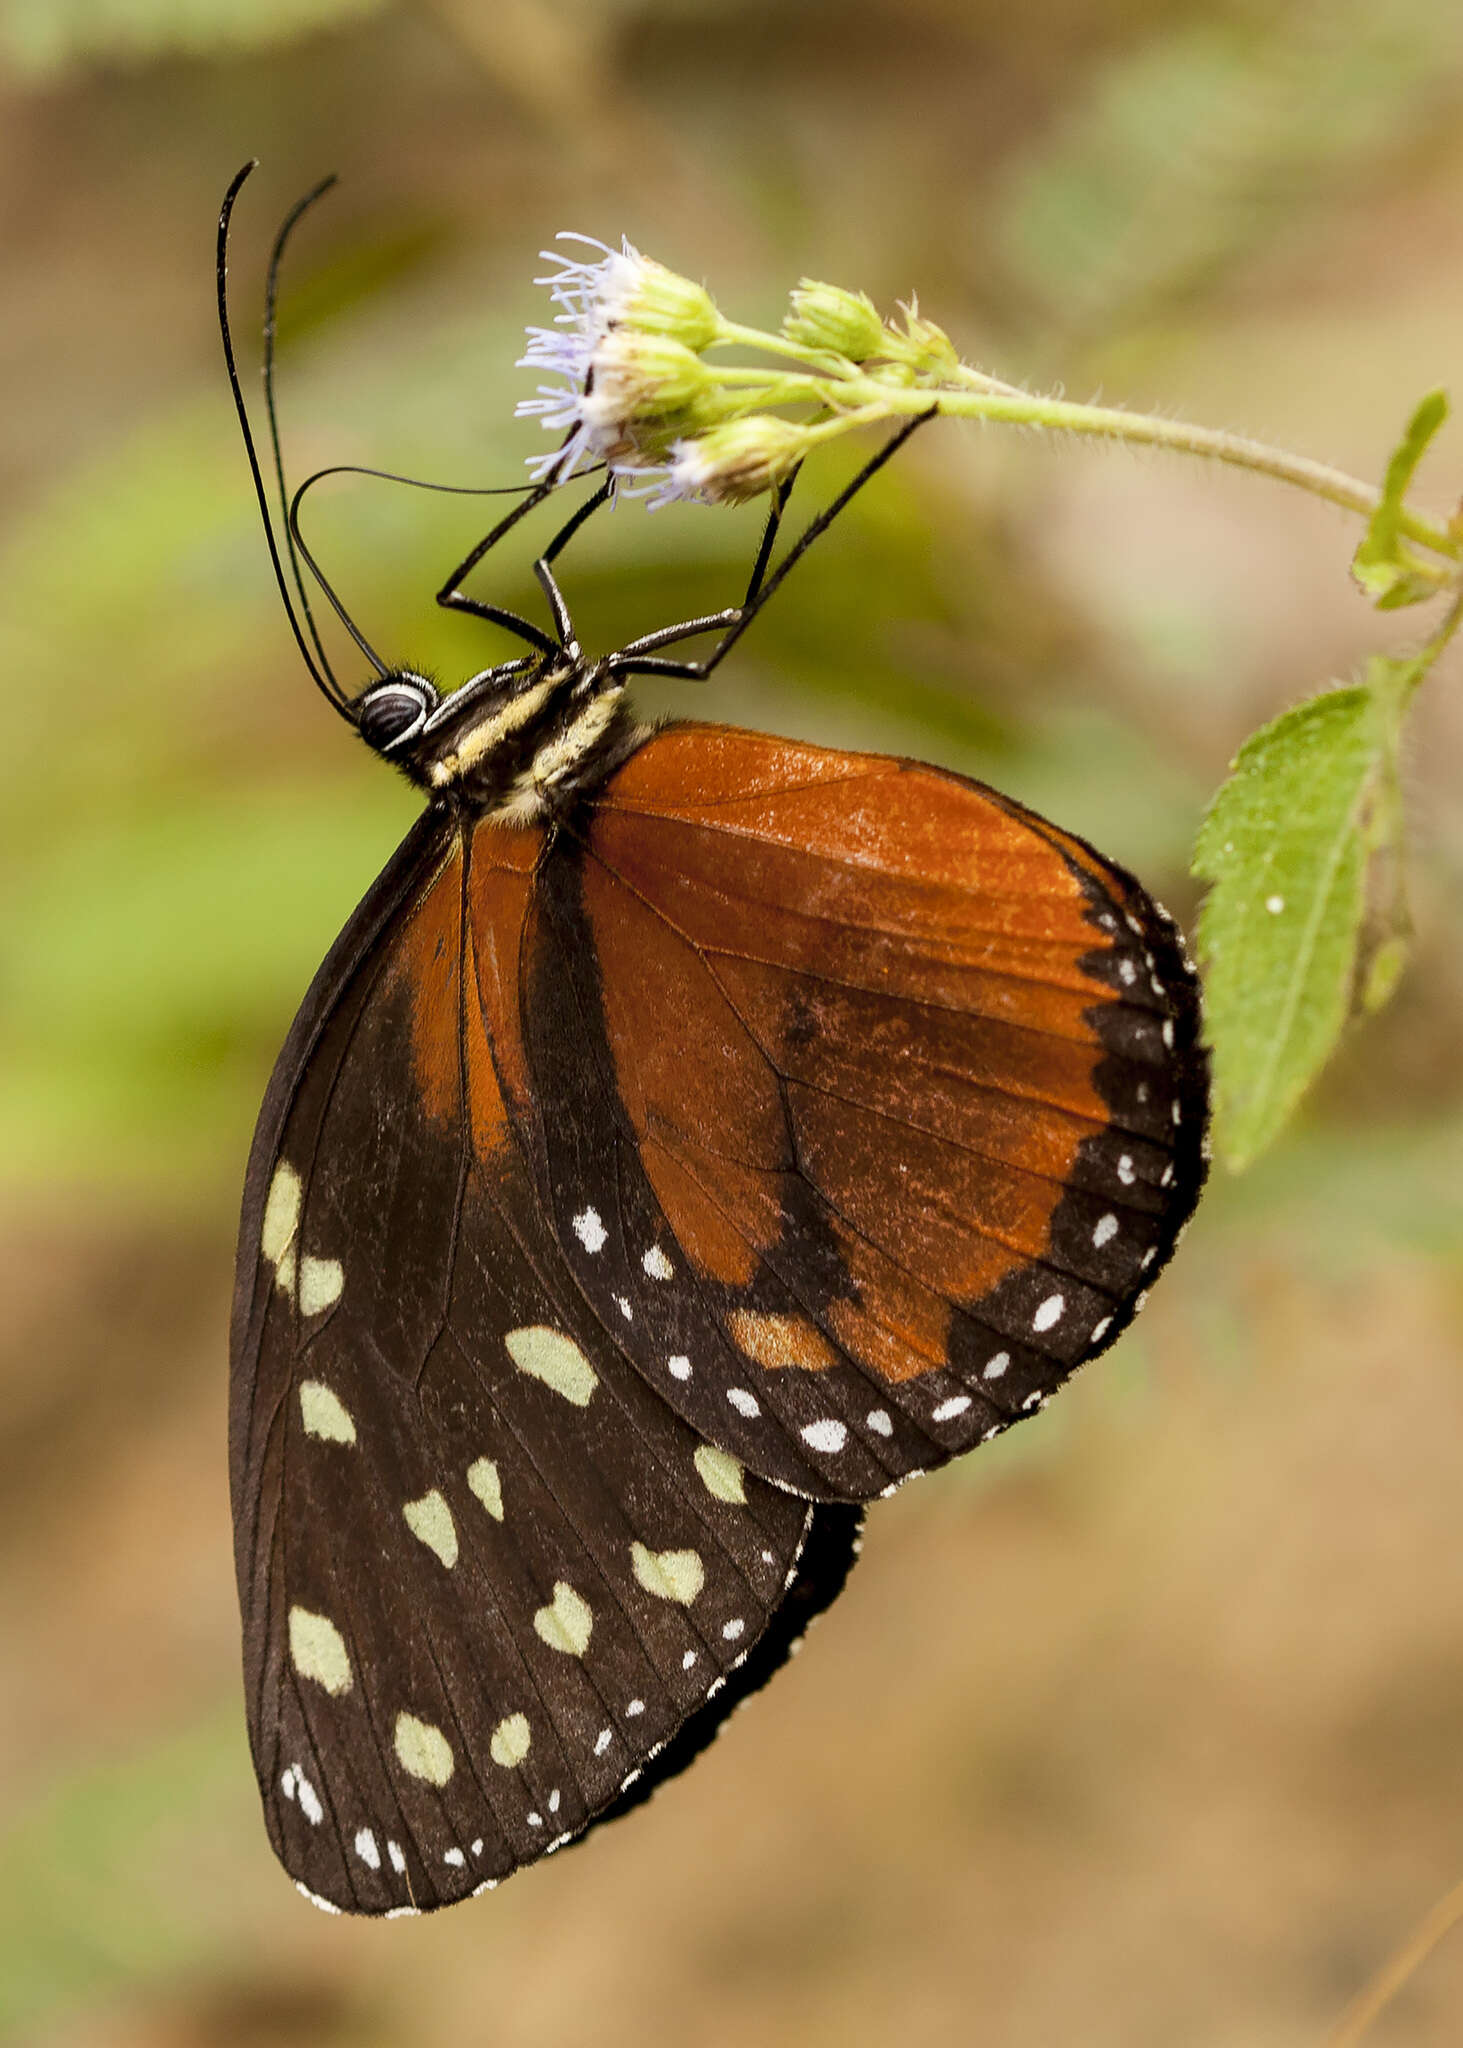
x,y
626,346
730,463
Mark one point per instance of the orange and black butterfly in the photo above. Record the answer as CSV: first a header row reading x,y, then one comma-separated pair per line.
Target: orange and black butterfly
x,y
691,1136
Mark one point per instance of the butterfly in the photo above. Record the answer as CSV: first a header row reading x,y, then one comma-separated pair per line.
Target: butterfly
x,y
692,1136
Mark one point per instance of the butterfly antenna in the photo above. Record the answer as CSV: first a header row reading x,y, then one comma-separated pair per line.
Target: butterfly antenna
x,y
320,671
389,476
271,306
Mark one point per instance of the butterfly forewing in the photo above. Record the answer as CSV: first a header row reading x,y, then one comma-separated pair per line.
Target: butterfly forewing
x,y
880,1100
486,1572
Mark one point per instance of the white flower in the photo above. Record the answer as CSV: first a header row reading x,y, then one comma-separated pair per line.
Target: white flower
x,y
730,463
625,344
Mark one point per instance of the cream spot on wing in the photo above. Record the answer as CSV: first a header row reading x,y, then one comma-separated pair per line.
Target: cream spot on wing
x,y
423,1750
680,1367
721,1473
398,1860
566,1623
430,1521
455,1857
317,1650
287,1782
589,1230
321,1282
1101,1330
482,1477
825,1435
686,1662
1125,1171
281,1213
603,1740
366,1849
324,1413
1105,1228
550,1356
511,1741
622,1304
744,1403
635,1707
732,1629
948,1410
657,1265
994,1367
669,1574
878,1420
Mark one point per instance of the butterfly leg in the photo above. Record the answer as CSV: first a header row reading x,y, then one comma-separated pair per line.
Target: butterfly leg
x,y
453,598
640,658
543,567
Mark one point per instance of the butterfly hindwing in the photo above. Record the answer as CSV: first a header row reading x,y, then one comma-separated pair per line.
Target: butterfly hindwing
x,y
879,1101
488,1576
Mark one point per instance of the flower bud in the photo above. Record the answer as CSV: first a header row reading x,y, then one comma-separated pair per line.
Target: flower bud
x,y
826,317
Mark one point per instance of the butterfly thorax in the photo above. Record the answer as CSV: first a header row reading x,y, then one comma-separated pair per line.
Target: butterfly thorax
x,y
517,747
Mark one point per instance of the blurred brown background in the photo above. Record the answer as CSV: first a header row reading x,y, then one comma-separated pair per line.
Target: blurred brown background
x,y
1142,1728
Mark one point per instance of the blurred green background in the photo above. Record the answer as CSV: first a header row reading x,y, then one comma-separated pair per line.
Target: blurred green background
x,y
1143,1727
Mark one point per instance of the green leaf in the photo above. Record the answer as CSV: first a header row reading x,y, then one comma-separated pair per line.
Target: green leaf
x,y
1284,845
1390,572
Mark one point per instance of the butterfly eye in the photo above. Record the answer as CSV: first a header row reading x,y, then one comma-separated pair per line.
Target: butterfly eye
x,y
395,711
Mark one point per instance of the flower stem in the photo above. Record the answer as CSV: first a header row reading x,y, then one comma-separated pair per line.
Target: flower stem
x,y
986,398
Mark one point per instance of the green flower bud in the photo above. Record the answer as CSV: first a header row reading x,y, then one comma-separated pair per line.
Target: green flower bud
x,y
826,317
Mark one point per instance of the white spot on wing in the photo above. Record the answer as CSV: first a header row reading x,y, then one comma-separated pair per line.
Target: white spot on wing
x,y
1107,1228
679,1367
589,1230
309,1799
878,1420
1049,1313
994,1367
948,1410
1125,1170
398,1861
657,1265
732,1629
828,1434
603,1740
455,1857
744,1403
366,1849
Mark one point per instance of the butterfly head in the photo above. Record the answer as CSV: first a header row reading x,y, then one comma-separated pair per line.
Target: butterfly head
x,y
394,712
